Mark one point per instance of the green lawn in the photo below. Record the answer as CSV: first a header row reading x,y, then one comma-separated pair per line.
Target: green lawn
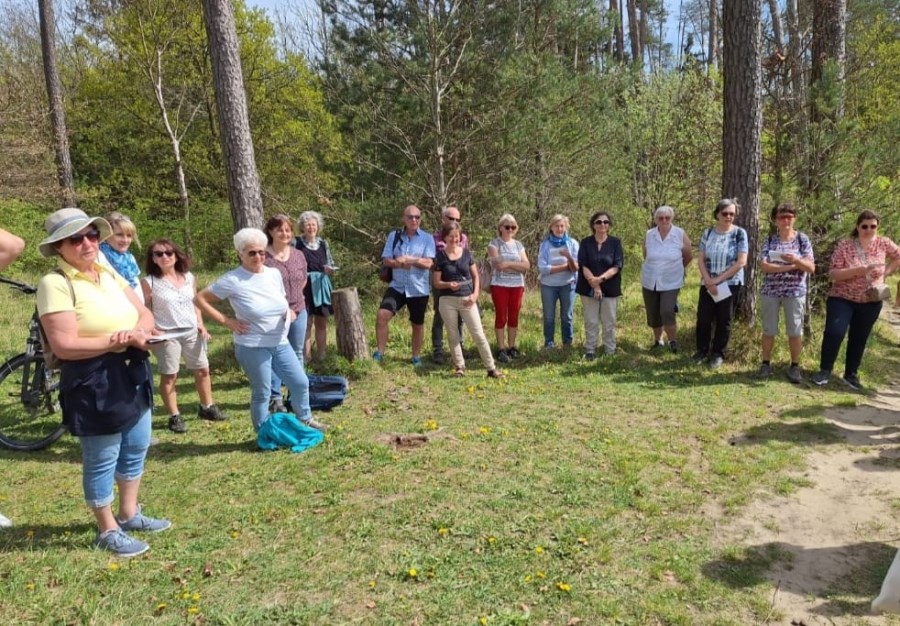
x,y
568,490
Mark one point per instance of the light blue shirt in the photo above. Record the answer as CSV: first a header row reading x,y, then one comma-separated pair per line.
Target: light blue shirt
x,y
259,300
414,282
549,257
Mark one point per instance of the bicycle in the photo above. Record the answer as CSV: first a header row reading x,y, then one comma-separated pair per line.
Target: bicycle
x,y
30,414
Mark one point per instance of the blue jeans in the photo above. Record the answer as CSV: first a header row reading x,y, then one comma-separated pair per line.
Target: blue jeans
x,y
107,458
296,337
840,316
258,364
565,294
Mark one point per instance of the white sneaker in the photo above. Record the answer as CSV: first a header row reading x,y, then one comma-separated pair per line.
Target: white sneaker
x,y
5,522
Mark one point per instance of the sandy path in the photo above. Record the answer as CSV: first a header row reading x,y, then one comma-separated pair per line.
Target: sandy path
x,y
831,536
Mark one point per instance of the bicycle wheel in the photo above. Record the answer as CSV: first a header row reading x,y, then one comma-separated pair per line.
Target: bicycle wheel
x,y
30,417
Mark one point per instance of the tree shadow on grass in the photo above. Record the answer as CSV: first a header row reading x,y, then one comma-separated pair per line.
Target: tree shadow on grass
x,y
45,537
843,579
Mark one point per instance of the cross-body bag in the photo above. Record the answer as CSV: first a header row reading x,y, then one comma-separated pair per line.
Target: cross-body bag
x,y
386,274
874,293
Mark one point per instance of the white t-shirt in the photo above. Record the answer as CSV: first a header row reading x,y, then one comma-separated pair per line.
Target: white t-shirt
x,y
259,300
663,269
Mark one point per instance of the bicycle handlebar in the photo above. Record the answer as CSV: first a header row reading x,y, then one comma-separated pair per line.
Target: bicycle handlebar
x,y
23,287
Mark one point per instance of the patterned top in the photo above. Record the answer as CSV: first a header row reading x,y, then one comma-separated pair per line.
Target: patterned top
x,y
846,255
293,273
791,284
173,307
459,270
721,251
507,251
439,240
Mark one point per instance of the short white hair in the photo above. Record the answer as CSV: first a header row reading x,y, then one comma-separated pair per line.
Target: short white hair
x,y
311,215
249,236
664,210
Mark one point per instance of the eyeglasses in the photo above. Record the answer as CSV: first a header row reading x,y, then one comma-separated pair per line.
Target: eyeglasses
x,y
598,222
510,227
782,216
413,217
868,226
453,219
253,253
162,253
727,214
661,217
76,240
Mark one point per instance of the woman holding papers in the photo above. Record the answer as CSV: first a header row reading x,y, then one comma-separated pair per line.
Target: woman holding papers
x,y
169,290
722,257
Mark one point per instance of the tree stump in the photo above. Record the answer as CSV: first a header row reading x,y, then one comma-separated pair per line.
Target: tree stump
x,y
349,329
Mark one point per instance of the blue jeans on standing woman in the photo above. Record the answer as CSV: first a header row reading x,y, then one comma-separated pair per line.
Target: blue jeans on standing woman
x,y
565,295
297,338
107,458
840,316
259,364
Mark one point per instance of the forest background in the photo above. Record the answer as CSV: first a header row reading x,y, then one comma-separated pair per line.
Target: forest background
x,y
358,108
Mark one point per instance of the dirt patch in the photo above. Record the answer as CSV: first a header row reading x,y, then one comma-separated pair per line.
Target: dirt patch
x,y
408,441
825,548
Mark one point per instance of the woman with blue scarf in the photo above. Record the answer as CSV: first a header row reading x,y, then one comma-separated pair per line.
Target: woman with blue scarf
x,y
115,249
558,268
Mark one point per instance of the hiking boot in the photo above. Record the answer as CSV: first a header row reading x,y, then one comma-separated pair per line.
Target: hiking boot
x,y
276,405
503,356
673,347
821,378
716,362
852,381
589,356
211,413
177,425
765,370
120,544
513,353
795,374
314,423
438,356
698,357
142,523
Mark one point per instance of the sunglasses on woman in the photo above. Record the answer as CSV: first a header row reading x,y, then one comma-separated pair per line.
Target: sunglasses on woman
x,y
76,240
161,253
510,227
598,222
869,226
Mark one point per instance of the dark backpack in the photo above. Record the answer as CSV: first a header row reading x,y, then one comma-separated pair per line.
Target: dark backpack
x,y
52,361
386,274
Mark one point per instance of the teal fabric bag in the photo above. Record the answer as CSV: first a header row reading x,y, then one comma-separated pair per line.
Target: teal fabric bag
x,y
284,430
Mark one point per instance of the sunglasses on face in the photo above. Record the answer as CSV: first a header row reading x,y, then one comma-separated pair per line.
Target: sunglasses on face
x,y
868,226
413,217
76,240
255,253
727,214
510,227
599,222
161,253
664,217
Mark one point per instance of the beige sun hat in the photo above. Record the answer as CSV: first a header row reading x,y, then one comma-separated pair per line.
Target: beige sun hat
x,y
65,223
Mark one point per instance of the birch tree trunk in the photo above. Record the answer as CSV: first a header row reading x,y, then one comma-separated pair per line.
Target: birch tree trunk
x,y
242,178
54,95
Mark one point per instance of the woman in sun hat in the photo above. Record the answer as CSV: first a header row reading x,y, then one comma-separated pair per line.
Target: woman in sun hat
x,y
98,327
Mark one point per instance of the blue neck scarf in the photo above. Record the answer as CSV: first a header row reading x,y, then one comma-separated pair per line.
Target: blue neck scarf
x,y
558,242
123,262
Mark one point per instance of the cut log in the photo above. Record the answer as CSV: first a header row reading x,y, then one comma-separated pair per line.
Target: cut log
x,y
351,334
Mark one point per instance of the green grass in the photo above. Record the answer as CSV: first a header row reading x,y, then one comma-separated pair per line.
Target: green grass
x,y
568,490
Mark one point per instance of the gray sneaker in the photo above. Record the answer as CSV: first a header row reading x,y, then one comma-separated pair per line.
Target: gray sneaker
x,y
119,543
142,523
716,362
314,423
821,378
211,413
765,370
852,381
795,374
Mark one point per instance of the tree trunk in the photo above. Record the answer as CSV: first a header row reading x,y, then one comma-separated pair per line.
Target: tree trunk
x,y
348,325
742,128
795,64
57,112
777,31
712,52
828,46
618,38
242,178
634,32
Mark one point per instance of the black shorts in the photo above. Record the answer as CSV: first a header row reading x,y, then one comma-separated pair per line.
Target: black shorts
x,y
393,301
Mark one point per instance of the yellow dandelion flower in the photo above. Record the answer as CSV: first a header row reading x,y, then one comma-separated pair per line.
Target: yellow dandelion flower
x,y
528,578
412,572
538,549
564,587
484,430
161,606
443,532
193,610
235,534
29,586
185,595
583,541
195,596
541,575
483,620
372,584
491,539
430,425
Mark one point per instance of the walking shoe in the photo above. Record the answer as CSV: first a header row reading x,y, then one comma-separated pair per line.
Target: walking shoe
x,y
852,381
212,413
416,361
460,372
495,374
503,356
716,362
141,522
821,378
765,370
438,356
120,544
5,522
589,356
276,405
549,345
176,424
795,374
657,345
513,353
314,423
673,347
698,357
377,356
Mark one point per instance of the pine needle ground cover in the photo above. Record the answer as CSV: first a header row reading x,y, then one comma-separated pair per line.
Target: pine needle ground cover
x,y
570,492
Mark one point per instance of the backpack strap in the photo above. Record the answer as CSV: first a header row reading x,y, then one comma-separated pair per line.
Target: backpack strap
x,y
68,283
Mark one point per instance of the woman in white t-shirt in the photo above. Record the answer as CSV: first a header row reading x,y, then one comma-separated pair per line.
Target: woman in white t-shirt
x,y
667,251
508,266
